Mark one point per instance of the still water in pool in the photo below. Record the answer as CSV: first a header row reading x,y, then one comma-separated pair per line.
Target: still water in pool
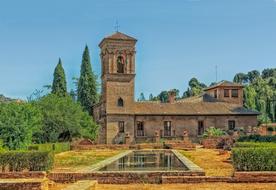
x,y
147,161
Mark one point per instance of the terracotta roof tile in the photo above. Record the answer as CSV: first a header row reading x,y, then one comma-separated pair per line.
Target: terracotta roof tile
x,y
120,36
224,83
191,108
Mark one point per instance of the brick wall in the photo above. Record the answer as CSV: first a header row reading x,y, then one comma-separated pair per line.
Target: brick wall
x,y
20,175
24,184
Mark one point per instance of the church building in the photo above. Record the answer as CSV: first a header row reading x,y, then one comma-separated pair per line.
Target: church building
x,y
119,115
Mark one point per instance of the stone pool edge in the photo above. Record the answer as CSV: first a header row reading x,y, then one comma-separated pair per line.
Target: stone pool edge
x,y
188,163
103,163
191,166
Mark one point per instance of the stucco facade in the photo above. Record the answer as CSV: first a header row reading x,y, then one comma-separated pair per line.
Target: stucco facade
x,y
119,115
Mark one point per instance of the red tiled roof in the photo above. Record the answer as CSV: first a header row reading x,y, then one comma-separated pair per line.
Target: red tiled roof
x,y
120,36
191,108
225,84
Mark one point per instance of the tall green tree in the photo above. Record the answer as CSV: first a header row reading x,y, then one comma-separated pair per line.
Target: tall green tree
x,y
87,83
142,97
250,97
151,97
59,86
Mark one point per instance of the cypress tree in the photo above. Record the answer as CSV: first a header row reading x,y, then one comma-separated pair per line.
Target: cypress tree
x,y
59,83
87,84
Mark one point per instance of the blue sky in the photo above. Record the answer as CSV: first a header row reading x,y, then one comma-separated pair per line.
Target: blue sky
x,y
177,39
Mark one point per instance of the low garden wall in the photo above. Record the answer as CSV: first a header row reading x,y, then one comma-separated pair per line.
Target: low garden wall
x,y
118,177
260,176
20,175
24,184
217,142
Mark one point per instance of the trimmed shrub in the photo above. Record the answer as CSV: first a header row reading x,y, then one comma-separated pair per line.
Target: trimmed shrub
x,y
26,160
254,144
213,132
257,138
61,147
55,147
254,159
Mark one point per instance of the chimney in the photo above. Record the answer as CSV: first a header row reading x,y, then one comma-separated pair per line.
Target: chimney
x,y
172,95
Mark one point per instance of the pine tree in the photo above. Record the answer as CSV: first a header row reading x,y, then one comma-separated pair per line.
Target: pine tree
x,y
151,97
59,83
142,97
87,84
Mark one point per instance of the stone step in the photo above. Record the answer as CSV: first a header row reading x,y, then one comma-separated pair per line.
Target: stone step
x,y
83,185
24,184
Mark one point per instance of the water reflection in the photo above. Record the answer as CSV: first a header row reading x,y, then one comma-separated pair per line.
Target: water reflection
x,y
147,161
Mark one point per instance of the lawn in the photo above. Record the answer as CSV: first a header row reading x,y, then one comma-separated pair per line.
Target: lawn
x,y
73,161
211,161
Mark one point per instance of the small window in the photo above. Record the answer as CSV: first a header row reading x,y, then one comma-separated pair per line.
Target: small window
x,y
235,93
200,129
121,125
140,129
215,94
231,124
167,128
120,65
226,93
120,102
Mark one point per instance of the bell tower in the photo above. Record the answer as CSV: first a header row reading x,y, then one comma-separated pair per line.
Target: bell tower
x,y
118,72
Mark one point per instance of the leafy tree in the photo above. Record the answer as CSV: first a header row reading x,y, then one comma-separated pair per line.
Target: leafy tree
x,y
59,83
142,97
250,97
163,96
87,83
63,120
253,75
267,73
240,78
187,93
18,123
195,88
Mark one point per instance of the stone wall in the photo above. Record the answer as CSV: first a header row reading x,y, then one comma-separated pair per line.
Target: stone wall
x,y
190,123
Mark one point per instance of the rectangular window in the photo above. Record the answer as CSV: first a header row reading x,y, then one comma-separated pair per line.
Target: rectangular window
x,y
167,128
140,129
226,93
200,129
215,94
231,124
121,125
235,93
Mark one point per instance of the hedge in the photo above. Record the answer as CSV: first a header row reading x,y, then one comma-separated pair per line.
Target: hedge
x,y
26,160
257,138
55,147
254,144
254,159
